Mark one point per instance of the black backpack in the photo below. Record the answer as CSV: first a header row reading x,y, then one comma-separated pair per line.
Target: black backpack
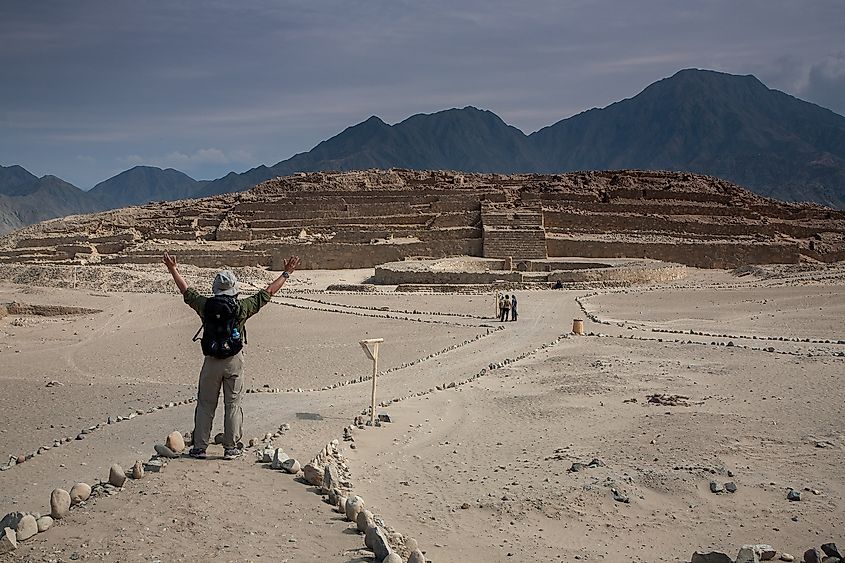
x,y
219,338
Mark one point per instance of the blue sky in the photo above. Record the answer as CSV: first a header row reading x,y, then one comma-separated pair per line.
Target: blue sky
x,y
92,88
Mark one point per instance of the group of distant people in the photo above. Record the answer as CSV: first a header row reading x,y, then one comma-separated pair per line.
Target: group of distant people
x,y
506,305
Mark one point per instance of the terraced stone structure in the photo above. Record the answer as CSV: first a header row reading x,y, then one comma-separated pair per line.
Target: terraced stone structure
x,y
366,218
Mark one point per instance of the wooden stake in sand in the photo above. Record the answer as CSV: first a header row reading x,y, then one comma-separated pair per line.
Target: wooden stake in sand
x,y
373,355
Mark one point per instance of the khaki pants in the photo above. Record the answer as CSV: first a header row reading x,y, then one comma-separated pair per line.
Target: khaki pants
x,y
229,374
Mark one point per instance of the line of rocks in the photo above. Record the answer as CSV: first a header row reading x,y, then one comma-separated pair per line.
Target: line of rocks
x,y
329,473
363,378
755,553
21,526
395,311
729,344
359,314
21,458
598,320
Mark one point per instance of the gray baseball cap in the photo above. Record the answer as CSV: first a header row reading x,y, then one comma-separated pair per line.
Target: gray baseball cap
x,y
225,283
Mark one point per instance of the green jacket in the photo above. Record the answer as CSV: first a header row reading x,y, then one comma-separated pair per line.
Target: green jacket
x,y
246,307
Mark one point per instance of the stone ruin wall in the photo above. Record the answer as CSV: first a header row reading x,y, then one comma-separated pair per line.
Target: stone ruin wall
x,y
362,219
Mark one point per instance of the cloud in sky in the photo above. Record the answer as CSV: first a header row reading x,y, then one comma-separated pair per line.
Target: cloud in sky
x,y
189,162
258,81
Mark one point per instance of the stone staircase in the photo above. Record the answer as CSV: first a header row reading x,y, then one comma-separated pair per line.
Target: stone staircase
x,y
517,232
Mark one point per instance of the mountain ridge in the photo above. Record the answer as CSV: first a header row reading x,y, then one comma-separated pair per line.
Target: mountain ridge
x,y
701,121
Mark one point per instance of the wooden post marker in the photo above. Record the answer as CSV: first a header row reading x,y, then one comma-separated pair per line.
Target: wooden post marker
x,y
373,355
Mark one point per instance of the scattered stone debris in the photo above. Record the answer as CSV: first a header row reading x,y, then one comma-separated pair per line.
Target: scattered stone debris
x,y
619,497
671,400
754,553
595,462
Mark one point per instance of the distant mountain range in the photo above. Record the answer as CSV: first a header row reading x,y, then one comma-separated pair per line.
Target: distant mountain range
x,y
724,125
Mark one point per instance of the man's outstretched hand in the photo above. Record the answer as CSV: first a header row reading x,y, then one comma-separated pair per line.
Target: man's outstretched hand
x,y
169,261
291,264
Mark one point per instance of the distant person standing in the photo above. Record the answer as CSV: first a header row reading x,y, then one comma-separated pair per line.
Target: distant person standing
x,y
506,306
513,307
224,335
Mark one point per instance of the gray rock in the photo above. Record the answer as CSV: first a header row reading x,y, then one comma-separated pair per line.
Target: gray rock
x,y
331,479
747,554
730,486
416,557
619,497
764,551
364,520
716,487
11,520
59,503
27,528
354,505
117,476
392,557
154,466
218,439
380,547
279,457
8,541
79,493
831,550
164,451
812,555
793,495
369,536
44,523
291,466
267,455
711,557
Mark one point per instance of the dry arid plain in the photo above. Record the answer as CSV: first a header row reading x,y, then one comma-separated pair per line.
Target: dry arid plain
x,y
477,461
700,411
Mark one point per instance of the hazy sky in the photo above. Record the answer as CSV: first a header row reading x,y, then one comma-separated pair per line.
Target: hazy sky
x,y
91,88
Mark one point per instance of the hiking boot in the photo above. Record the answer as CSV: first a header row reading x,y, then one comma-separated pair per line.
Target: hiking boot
x,y
197,453
232,453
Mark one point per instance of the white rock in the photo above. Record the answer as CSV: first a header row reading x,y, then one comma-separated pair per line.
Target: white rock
x,y
291,466
59,503
79,493
44,523
354,505
392,557
27,528
279,457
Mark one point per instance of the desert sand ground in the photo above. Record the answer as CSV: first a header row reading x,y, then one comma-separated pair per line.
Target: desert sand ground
x,y
478,472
